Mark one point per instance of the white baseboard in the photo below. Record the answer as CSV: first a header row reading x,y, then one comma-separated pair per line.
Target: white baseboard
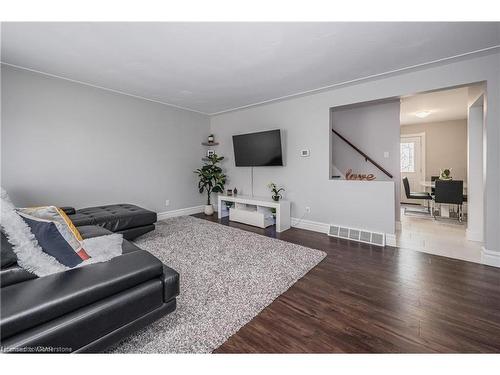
x,y
490,258
181,212
473,236
315,226
390,239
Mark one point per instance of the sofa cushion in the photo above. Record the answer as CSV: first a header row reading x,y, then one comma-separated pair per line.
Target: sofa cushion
x,y
91,231
114,217
29,254
56,240
133,233
33,302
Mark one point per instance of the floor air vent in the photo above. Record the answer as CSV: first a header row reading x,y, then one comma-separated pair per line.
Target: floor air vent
x,y
372,238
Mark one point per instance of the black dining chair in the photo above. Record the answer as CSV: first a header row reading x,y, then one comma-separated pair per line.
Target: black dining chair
x,y
416,195
450,192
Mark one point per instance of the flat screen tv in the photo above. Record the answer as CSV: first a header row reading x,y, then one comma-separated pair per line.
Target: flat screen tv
x,y
258,149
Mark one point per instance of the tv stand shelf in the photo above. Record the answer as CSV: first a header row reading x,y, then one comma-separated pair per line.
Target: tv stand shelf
x,y
282,209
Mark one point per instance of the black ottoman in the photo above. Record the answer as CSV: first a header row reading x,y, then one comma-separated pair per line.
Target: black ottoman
x,y
128,219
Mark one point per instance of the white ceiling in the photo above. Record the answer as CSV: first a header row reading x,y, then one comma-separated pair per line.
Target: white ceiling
x,y
443,105
214,67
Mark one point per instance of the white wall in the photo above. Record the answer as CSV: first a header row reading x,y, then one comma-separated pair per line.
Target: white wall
x,y
305,121
445,146
69,144
305,124
375,129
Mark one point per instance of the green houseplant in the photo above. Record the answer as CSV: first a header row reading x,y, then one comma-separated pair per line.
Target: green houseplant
x,y
276,192
211,179
445,174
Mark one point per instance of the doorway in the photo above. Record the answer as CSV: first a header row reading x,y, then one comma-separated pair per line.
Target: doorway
x,y
442,135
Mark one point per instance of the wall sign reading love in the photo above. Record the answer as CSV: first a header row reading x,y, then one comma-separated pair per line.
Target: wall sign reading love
x,y
360,177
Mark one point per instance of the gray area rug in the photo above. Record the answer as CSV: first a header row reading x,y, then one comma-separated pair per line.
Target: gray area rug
x,y
227,277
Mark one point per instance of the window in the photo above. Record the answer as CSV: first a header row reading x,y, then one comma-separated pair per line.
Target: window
x,y
408,157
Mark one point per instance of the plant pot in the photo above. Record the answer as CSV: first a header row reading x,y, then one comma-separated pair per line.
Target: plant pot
x,y
276,198
209,209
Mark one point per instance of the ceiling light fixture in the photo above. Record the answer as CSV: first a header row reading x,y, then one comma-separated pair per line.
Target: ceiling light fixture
x,y
422,114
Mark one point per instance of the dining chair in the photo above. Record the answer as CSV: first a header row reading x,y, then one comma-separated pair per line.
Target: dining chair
x,y
450,192
416,195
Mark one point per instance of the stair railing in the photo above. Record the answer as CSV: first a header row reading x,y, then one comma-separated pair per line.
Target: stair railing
x,y
367,158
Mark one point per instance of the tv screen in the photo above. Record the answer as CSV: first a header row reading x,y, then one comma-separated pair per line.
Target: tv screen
x,y
258,149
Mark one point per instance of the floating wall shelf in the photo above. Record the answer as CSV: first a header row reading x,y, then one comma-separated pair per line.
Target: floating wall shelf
x,y
210,143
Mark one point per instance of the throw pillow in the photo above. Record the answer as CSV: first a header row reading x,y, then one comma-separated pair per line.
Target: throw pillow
x,y
29,254
55,234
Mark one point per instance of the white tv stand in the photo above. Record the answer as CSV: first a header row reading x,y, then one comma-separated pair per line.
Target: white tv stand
x,y
253,217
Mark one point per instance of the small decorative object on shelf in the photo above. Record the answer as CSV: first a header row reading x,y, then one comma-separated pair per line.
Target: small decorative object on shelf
x,y
210,153
211,179
235,191
276,192
210,141
229,192
445,174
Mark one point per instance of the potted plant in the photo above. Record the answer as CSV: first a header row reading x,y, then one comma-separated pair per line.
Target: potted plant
x,y
211,179
445,174
276,192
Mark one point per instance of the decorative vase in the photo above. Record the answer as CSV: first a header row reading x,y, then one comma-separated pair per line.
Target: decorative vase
x,y
276,198
209,210
211,138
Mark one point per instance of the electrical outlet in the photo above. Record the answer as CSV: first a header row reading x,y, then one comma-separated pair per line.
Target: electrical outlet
x,y
167,203
308,210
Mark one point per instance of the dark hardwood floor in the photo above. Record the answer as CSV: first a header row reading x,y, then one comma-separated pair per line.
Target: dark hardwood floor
x,y
366,299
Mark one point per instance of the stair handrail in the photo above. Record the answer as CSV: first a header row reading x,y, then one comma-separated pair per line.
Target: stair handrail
x,y
367,158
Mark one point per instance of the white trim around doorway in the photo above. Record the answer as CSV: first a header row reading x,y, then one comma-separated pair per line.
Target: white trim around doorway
x,y
422,151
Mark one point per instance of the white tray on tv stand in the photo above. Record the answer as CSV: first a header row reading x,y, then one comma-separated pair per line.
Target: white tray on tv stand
x,y
282,208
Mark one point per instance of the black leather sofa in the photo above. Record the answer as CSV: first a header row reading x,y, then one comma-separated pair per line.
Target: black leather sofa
x,y
130,220
85,309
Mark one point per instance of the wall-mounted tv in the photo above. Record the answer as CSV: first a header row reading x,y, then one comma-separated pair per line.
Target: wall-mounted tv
x,y
258,149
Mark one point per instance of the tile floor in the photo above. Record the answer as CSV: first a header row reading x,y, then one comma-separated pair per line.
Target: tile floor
x,y
445,237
